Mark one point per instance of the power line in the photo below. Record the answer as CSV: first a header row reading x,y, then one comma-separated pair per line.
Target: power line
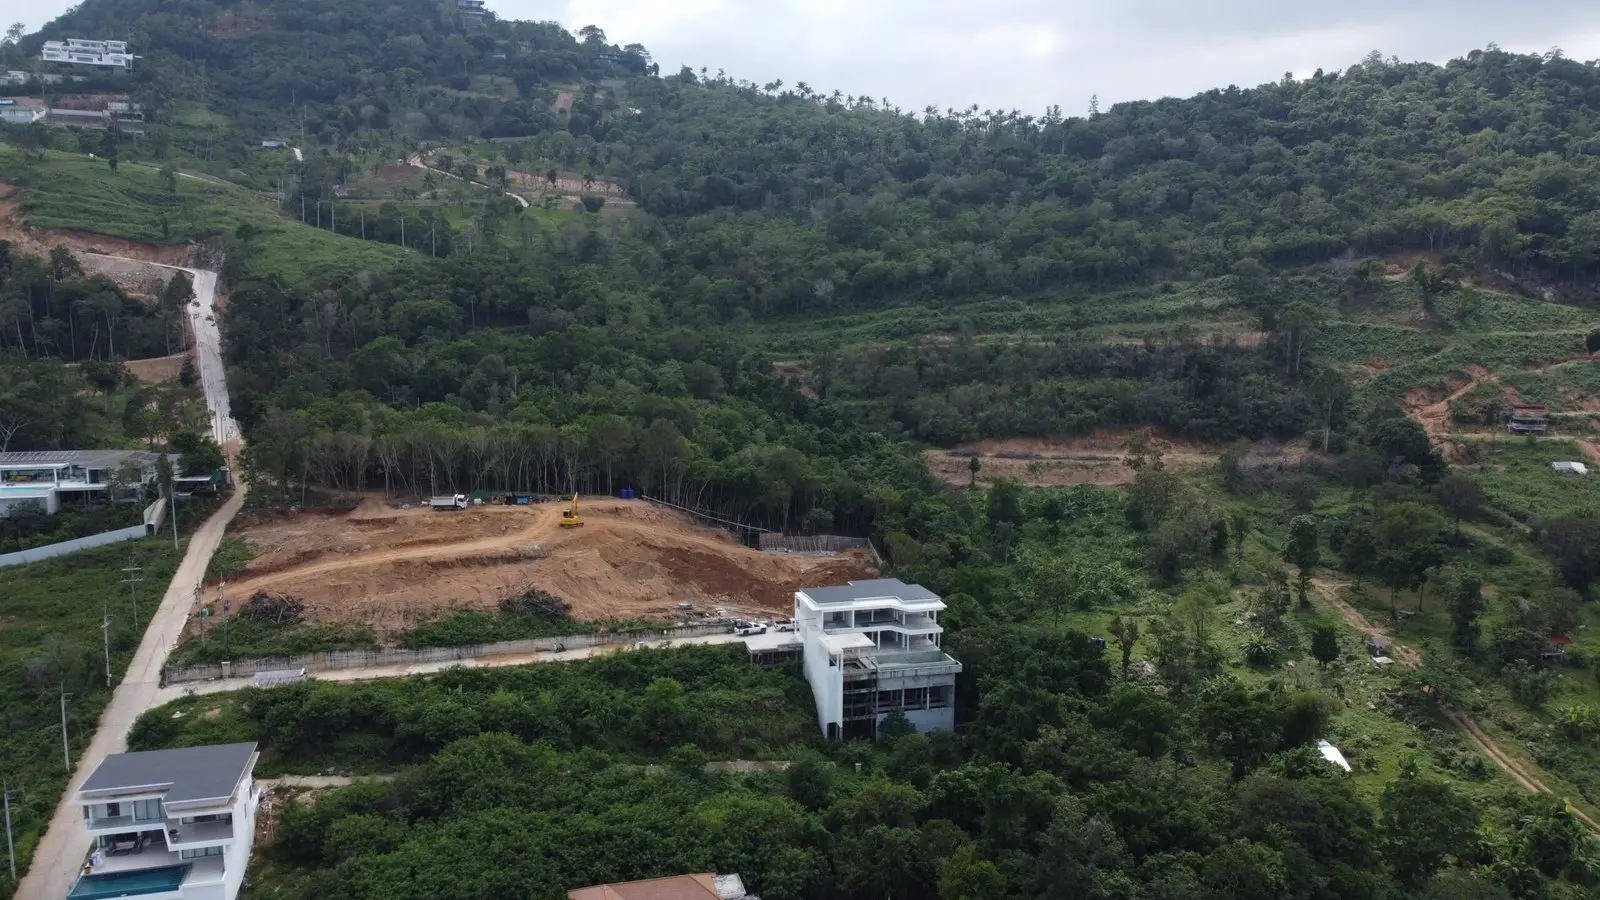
x,y
131,578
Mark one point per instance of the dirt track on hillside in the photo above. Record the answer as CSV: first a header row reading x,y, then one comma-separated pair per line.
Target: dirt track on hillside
x,y
1409,657
391,568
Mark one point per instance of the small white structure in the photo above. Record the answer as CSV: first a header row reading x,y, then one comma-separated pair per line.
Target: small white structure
x,y
80,52
1331,754
1568,467
169,824
872,648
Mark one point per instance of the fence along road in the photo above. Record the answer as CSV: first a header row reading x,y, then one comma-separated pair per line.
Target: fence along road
x,y
60,853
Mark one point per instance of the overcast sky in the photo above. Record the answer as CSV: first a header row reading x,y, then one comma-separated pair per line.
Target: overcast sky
x,y
1027,54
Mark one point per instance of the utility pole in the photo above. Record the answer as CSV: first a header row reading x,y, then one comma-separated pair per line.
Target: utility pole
x,y
105,637
66,754
222,594
11,850
131,578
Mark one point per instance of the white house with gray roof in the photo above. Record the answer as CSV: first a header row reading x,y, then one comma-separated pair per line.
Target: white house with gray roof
x,y
51,478
169,824
872,648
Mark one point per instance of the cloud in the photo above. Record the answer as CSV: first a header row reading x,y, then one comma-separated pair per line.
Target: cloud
x,y
1028,54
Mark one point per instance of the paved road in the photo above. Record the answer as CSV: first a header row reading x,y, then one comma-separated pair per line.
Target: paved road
x,y
208,347
60,852
59,856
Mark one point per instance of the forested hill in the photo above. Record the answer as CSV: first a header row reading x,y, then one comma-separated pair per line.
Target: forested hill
x,y
788,198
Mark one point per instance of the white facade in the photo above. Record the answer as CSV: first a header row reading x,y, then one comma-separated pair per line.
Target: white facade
x,y
158,836
872,648
76,51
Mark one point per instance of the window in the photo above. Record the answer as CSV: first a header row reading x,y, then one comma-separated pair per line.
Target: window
x,y
196,854
113,810
147,810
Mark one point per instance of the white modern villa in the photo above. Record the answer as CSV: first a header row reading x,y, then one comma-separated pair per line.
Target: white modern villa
x,y
169,824
872,648
51,478
81,52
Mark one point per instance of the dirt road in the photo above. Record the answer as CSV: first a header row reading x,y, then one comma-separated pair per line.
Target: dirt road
x,y
1433,411
1524,775
60,852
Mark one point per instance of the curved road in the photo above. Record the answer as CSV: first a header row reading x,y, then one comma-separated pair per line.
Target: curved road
x,y
60,853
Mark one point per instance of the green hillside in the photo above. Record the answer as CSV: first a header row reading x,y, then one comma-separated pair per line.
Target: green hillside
x,y
1221,381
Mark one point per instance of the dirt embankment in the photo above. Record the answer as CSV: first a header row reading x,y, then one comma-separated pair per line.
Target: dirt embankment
x,y
40,241
391,568
1099,458
157,369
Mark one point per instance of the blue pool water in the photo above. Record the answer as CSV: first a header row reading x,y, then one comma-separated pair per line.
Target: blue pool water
x,y
128,884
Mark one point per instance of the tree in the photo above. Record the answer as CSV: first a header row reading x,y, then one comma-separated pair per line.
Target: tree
x,y
1574,541
1360,551
1241,725
1461,497
1004,503
1402,440
1240,519
1325,644
1303,551
973,465
1464,596
1126,633
1332,392
1424,822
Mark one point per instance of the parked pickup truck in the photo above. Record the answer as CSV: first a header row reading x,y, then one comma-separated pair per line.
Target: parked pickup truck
x,y
745,629
454,501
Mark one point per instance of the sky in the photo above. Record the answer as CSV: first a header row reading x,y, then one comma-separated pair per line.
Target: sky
x,y
1029,54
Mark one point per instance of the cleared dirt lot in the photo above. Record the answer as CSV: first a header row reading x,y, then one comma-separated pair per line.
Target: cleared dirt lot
x,y
391,568
1094,459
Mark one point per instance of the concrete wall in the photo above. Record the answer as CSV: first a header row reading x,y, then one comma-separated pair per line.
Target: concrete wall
x,y
21,557
398,656
827,682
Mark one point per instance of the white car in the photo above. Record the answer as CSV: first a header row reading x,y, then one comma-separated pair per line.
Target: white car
x,y
750,628
783,625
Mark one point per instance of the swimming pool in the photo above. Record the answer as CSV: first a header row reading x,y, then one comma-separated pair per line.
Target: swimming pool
x,y
129,884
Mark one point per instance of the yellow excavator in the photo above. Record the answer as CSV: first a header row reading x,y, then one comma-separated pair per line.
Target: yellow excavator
x,y
569,516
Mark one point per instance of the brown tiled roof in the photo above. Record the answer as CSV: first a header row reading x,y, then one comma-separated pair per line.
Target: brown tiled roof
x,y
678,887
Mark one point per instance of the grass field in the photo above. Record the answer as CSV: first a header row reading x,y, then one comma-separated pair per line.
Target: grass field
x,y
50,636
70,192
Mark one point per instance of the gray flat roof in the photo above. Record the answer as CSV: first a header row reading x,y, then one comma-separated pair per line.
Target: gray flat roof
x,y
200,776
869,589
89,459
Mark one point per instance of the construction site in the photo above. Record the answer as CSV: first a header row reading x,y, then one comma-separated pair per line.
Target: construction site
x,y
392,567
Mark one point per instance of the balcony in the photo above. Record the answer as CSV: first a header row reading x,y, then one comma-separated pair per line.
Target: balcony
x,y
110,825
194,835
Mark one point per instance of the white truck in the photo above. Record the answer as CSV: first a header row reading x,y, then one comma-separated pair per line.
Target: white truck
x,y
453,501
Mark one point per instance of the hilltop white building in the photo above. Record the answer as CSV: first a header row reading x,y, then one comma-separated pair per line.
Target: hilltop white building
x,y
169,824
872,648
77,51
49,478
